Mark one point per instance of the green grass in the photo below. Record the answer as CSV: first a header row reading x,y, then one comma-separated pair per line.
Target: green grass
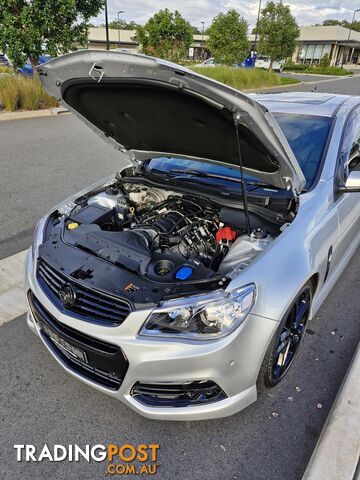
x,y
288,81
314,69
9,93
244,78
22,93
4,69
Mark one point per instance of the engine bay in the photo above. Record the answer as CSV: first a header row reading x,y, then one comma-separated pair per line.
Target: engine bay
x,y
145,241
163,235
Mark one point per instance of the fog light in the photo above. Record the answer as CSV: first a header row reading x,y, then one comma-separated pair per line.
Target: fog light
x,y
177,395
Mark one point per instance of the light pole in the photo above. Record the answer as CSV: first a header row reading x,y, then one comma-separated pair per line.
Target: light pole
x,y
118,15
348,40
107,26
202,41
256,33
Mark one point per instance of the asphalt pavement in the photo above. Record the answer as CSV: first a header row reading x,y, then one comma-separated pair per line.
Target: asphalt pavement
x,y
340,85
308,77
44,160
272,439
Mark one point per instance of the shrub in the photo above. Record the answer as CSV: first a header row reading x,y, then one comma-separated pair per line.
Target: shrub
x,y
241,78
47,101
4,69
24,93
333,71
295,67
9,93
315,69
29,94
325,61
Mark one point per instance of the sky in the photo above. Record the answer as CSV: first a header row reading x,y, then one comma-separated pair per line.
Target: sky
x,y
307,12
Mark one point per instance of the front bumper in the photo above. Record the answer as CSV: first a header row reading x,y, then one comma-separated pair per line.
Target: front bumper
x,y
232,362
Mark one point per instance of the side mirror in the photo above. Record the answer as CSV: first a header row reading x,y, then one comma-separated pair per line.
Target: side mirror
x,y
352,183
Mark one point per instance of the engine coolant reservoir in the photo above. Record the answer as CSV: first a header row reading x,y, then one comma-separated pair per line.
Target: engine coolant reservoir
x,y
244,250
109,198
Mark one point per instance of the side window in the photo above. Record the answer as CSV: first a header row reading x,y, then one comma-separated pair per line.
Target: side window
x,y
354,156
350,152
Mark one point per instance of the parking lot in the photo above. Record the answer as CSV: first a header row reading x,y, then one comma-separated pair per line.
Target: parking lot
x,y
42,161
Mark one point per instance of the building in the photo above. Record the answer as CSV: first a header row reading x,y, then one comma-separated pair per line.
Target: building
x,y
341,44
126,40
198,50
315,42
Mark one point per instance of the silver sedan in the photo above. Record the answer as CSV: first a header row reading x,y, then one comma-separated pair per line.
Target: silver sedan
x,y
183,284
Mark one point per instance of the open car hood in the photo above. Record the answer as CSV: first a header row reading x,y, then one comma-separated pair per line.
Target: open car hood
x,y
148,107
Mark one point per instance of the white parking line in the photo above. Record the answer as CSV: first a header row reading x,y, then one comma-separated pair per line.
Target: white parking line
x,y
12,298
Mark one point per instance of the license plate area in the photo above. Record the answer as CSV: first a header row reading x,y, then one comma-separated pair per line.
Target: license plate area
x,y
65,347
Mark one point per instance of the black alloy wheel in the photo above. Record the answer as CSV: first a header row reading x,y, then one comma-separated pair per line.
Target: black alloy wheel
x,y
285,344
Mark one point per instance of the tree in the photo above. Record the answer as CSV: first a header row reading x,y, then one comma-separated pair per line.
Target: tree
x,y
195,30
325,61
353,26
278,31
228,40
329,22
344,23
166,35
122,25
30,28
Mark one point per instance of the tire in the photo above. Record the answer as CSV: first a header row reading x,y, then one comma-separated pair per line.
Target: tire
x,y
287,339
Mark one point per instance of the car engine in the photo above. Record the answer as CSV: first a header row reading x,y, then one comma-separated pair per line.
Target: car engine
x,y
162,235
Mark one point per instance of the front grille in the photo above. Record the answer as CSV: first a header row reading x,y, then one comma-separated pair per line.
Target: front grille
x,y
91,305
105,363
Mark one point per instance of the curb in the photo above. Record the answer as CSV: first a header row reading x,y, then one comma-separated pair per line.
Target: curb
x,y
332,79
49,112
315,82
337,452
319,75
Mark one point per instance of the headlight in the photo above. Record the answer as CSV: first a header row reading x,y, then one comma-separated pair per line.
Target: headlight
x,y
38,235
201,317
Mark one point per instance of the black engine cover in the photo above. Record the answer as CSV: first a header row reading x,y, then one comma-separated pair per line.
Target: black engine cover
x,y
140,290
125,248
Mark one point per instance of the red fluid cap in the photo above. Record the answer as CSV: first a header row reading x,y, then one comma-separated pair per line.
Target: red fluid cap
x,y
225,233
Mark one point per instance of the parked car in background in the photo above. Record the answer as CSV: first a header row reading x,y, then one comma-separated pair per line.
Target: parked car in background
x,y
4,61
27,69
210,62
264,62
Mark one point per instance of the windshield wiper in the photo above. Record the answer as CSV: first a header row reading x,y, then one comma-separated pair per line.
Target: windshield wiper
x,y
249,183
192,173
183,174
200,174
255,184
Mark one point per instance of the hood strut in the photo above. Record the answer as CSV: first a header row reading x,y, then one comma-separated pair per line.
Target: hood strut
x,y
243,185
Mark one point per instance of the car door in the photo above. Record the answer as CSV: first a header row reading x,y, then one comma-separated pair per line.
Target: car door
x,y
348,204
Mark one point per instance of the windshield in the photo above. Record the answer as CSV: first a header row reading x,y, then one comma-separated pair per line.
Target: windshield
x,y
307,136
